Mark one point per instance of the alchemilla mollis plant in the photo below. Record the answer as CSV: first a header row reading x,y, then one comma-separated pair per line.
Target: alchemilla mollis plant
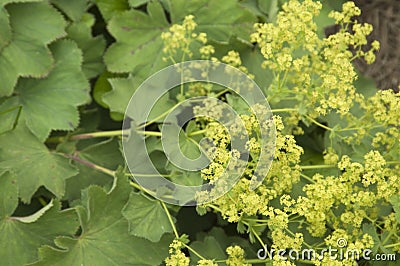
x,y
68,70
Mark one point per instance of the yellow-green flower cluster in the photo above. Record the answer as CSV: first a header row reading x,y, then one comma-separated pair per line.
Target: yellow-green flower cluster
x,y
358,189
181,37
233,59
318,69
235,256
177,257
241,200
282,240
380,110
313,76
349,10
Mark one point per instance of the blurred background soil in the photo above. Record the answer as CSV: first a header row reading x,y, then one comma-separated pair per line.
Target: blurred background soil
x,y
384,15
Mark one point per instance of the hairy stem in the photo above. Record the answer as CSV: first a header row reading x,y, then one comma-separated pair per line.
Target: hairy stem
x,y
90,164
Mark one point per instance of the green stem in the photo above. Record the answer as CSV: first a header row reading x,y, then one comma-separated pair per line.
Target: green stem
x,y
255,234
307,178
317,166
387,237
318,123
100,134
258,237
90,164
198,132
150,193
256,220
170,219
42,201
284,110
373,221
221,93
214,207
293,235
392,245
150,133
194,251
159,117
147,175
356,128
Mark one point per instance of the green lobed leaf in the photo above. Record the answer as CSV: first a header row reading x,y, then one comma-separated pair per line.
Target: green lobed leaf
x,y
92,47
395,201
20,237
74,9
9,118
138,46
208,16
9,193
122,91
270,8
5,29
33,164
214,243
105,239
102,86
146,217
105,153
210,247
34,26
370,229
59,93
137,3
139,41
138,34
109,8
186,178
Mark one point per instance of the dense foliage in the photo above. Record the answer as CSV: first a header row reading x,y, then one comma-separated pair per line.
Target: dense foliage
x,y
68,69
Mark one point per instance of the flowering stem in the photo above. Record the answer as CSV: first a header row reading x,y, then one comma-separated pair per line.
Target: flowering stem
x,y
283,110
317,166
356,128
170,219
198,132
318,123
214,207
387,237
255,234
194,251
150,133
392,245
257,220
258,237
307,178
221,93
100,134
293,235
158,117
